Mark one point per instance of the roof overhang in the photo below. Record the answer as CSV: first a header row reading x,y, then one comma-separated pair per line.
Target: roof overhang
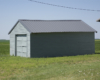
x,y
13,27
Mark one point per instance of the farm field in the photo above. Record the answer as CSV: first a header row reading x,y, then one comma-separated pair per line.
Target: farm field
x,y
81,67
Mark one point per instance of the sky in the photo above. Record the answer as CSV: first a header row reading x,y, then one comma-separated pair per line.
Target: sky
x,y
12,10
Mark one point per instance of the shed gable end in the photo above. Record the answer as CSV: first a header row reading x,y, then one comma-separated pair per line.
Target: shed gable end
x,y
19,29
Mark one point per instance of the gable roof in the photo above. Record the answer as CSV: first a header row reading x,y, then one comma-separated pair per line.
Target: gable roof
x,y
47,26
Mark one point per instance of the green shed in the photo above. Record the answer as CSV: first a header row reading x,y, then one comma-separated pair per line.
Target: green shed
x,y
50,38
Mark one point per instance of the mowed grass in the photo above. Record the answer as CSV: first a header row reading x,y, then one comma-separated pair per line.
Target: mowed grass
x,y
81,67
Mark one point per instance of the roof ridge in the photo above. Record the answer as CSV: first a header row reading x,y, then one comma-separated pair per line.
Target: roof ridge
x,y
47,20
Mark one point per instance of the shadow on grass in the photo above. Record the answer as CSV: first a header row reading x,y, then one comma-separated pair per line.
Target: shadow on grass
x,y
52,56
97,53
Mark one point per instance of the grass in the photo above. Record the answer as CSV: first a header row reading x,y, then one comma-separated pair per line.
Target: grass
x,y
81,67
97,46
4,47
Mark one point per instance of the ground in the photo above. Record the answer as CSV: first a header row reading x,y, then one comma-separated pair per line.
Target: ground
x,y
81,67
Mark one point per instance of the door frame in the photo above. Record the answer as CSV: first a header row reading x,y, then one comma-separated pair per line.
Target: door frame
x,y
16,42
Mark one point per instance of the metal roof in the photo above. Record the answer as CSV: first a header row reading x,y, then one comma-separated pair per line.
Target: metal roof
x,y
47,26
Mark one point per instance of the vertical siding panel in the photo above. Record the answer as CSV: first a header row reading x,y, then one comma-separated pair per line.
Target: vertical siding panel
x,y
62,44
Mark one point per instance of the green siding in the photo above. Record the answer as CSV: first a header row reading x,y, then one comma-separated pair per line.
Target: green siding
x,y
62,44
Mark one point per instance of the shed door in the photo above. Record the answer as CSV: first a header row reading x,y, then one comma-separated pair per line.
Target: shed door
x,y
21,45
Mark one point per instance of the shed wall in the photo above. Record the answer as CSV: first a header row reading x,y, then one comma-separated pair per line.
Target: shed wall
x,y
19,30
62,44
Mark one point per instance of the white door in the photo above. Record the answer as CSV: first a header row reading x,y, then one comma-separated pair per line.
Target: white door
x,y
21,45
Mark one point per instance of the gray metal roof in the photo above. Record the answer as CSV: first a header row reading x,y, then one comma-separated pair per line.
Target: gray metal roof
x,y
43,26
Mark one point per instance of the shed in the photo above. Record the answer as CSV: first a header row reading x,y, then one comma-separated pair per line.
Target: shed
x,y
49,38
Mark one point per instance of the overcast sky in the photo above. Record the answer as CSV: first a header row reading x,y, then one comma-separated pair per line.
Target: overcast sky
x,y
12,10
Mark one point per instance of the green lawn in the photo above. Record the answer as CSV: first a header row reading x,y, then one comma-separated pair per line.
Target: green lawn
x,y
97,46
84,67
